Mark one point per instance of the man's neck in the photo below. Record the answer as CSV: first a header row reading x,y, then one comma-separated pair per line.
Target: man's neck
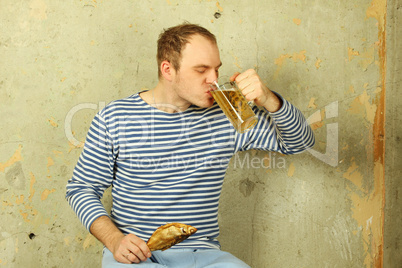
x,y
165,99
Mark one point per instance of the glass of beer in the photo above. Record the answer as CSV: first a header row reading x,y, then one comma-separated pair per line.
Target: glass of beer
x,y
235,106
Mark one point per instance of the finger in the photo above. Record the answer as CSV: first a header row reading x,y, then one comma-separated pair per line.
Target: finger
x,y
233,77
249,81
122,258
139,246
132,257
252,92
246,74
245,85
136,254
250,95
143,246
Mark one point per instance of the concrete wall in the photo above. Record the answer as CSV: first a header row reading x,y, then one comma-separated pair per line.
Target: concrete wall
x,y
335,206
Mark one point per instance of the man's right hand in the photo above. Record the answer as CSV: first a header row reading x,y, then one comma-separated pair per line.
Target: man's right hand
x,y
125,248
130,249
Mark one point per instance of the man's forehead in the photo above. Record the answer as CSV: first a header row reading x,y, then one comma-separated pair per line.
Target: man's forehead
x,y
197,39
200,48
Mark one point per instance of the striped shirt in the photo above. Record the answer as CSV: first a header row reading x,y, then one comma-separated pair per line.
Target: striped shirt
x,y
169,167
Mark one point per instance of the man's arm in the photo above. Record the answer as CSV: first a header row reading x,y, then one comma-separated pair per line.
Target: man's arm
x,y
92,175
281,127
125,248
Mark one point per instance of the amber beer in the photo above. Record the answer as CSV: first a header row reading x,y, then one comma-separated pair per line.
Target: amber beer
x,y
235,106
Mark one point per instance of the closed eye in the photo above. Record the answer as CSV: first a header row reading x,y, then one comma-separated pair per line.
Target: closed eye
x,y
201,70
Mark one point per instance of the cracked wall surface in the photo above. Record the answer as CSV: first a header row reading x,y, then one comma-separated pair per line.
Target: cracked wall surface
x,y
336,205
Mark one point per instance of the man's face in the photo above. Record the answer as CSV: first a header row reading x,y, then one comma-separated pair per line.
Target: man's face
x,y
198,69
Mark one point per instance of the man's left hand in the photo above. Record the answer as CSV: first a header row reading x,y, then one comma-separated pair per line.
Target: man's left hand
x,y
254,89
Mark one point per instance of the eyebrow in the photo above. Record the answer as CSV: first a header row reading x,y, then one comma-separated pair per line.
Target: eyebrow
x,y
206,66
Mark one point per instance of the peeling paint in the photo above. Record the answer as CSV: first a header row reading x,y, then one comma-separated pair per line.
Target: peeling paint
x,y
311,104
31,187
58,153
20,200
296,57
316,120
52,122
50,162
352,53
317,125
24,216
362,106
378,10
297,21
291,170
367,58
72,146
219,6
367,211
353,175
368,208
46,193
318,64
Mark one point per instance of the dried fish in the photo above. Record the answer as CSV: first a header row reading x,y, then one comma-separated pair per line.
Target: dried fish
x,y
169,234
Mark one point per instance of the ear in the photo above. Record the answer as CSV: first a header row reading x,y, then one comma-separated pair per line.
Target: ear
x,y
167,70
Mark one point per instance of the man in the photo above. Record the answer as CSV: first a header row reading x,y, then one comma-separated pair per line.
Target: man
x,y
165,153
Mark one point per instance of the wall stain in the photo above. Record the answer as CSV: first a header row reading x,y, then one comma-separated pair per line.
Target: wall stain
x,y
246,187
366,58
353,175
368,207
38,10
89,241
15,176
237,63
378,10
15,158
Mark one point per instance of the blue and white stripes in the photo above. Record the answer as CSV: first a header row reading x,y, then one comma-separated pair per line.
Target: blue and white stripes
x,y
170,167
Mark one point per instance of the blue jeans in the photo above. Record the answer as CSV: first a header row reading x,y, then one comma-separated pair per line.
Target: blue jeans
x,y
180,258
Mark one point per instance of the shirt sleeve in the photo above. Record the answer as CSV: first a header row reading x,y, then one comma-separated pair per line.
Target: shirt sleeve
x,y
93,174
286,131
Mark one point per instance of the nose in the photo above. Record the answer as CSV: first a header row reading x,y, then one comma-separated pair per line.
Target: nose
x,y
212,76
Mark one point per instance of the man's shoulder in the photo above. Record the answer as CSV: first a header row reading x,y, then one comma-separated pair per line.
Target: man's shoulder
x,y
129,103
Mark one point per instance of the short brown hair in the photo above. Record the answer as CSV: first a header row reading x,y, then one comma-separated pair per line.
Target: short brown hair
x,y
172,41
